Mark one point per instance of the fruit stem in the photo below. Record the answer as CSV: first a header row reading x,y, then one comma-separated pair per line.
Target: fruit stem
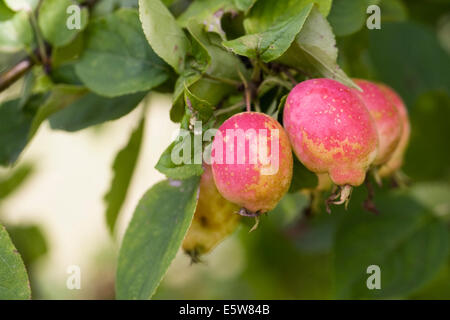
x,y
247,92
195,256
255,226
40,43
368,204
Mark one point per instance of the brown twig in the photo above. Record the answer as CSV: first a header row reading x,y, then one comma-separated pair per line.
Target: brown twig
x,y
290,76
368,204
15,73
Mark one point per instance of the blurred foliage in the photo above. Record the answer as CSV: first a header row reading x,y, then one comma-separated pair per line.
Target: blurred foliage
x,y
12,181
13,275
29,241
428,155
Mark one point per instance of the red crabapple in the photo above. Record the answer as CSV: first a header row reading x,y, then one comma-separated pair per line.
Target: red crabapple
x,y
386,117
252,161
331,131
396,160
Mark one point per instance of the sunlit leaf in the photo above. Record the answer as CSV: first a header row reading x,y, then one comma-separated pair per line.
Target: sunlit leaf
x,y
154,236
14,283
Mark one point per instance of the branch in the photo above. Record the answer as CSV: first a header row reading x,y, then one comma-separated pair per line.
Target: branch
x,y
15,73
23,66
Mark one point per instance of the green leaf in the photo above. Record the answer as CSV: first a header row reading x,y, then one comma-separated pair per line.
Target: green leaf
x,y
210,58
124,166
53,19
5,12
289,210
271,82
42,82
347,16
438,289
202,109
60,97
429,12
266,13
221,63
18,125
277,113
273,42
202,9
278,270
11,182
29,81
69,53
65,74
419,64
15,32
405,240
15,124
180,171
314,50
195,66
92,109
117,59
162,32
319,234
393,10
186,79
244,5
14,283
154,236
30,242
104,7
434,196
21,5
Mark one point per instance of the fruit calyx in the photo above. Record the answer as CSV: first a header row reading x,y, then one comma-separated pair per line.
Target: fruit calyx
x,y
341,195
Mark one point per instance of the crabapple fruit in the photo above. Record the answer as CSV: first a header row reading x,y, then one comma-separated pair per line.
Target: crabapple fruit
x,y
331,131
214,219
387,119
252,162
395,162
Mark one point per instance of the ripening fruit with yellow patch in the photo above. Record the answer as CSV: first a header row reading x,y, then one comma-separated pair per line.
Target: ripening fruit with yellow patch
x,y
252,161
395,162
387,119
331,131
214,219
